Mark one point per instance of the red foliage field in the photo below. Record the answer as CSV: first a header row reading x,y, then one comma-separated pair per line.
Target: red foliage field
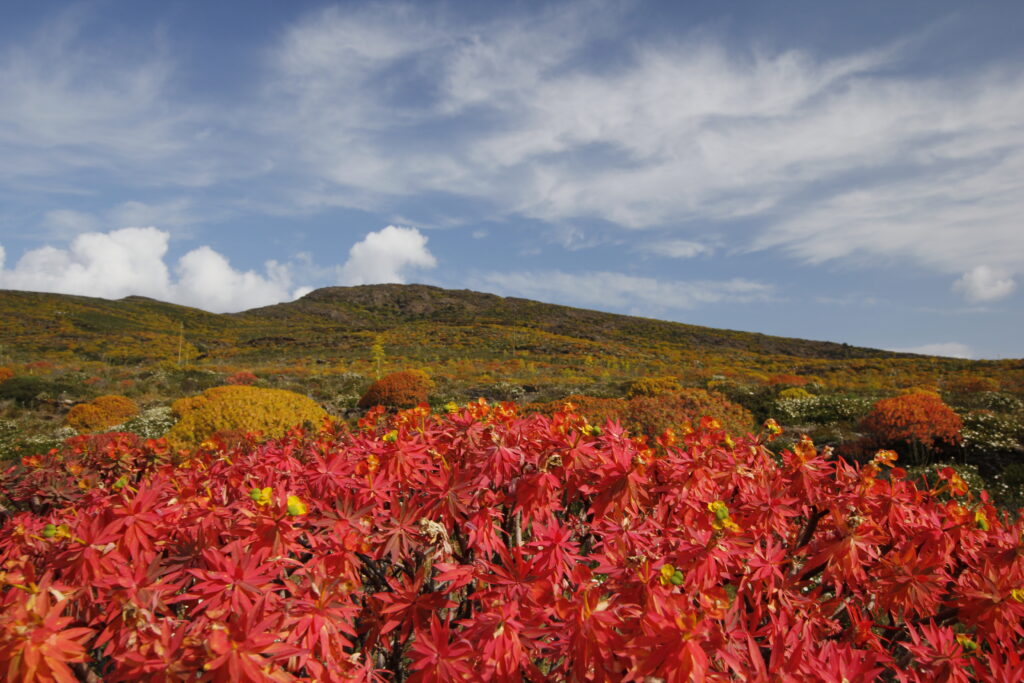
x,y
485,545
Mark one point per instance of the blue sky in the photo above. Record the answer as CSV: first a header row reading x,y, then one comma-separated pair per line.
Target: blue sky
x,y
843,171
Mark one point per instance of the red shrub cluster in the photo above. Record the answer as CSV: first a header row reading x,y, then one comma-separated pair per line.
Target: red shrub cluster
x,y
487,546
403,389
242,378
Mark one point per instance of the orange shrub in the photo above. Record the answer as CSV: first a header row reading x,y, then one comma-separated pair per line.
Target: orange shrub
x,y
6,374
100,413
651,415
919,419
404,389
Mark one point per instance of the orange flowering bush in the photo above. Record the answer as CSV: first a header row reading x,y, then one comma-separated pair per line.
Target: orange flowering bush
x,y
101,412
240,409
920,420
403,389
482,545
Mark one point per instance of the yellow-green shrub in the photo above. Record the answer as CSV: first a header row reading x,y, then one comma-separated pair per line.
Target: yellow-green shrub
x,y
794,392
653,386
100,413
240,409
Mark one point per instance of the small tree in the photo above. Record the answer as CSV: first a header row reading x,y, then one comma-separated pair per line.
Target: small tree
x,y
920,420
377,354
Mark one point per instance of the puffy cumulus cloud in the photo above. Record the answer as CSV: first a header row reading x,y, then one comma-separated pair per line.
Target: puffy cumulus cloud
x,y
109,265
948,349
132,261
618,291
983,283
852,156
385,256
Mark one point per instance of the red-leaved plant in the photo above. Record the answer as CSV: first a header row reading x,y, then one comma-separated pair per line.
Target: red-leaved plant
x,y
486,545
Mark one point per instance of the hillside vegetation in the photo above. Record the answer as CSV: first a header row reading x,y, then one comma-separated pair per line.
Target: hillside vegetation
x,y
58,352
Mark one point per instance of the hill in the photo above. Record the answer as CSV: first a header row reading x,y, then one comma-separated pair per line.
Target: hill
x,y
429,326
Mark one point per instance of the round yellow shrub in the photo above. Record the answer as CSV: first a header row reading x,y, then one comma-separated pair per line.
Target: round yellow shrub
x,y
272,412
100,413
653,386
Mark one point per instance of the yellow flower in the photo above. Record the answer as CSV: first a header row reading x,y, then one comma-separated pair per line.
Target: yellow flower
x,y
391,436
966,643
1017,594
296,507
981,519
261,496
451,407
773,427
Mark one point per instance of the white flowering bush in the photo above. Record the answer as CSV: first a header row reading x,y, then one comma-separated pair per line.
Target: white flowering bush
x,y
151,423
827,409
986,432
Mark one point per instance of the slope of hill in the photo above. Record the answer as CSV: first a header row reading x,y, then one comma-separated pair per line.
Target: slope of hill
x,y
473,336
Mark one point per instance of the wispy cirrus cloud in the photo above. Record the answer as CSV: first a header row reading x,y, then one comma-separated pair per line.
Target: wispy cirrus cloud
x,y
617,291
824,157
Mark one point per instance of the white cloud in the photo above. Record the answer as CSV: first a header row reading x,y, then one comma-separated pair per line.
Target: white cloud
x,y
131,261
681,249
385,256
618,291
983,283
838,157
74,107
948,349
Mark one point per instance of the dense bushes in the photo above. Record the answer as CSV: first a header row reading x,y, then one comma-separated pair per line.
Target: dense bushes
x,y
240,409
28,390
824,409
6,374
652,415
403,389
653,386
485,546
919,420
100,413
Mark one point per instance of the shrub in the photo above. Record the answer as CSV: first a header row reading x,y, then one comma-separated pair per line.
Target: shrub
x,y
920,420
100,413
490,547
986,432
28,390
787,380
794,392
824,409
403,389
653,386
151,423
242,378
652,415
239,408
6,374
